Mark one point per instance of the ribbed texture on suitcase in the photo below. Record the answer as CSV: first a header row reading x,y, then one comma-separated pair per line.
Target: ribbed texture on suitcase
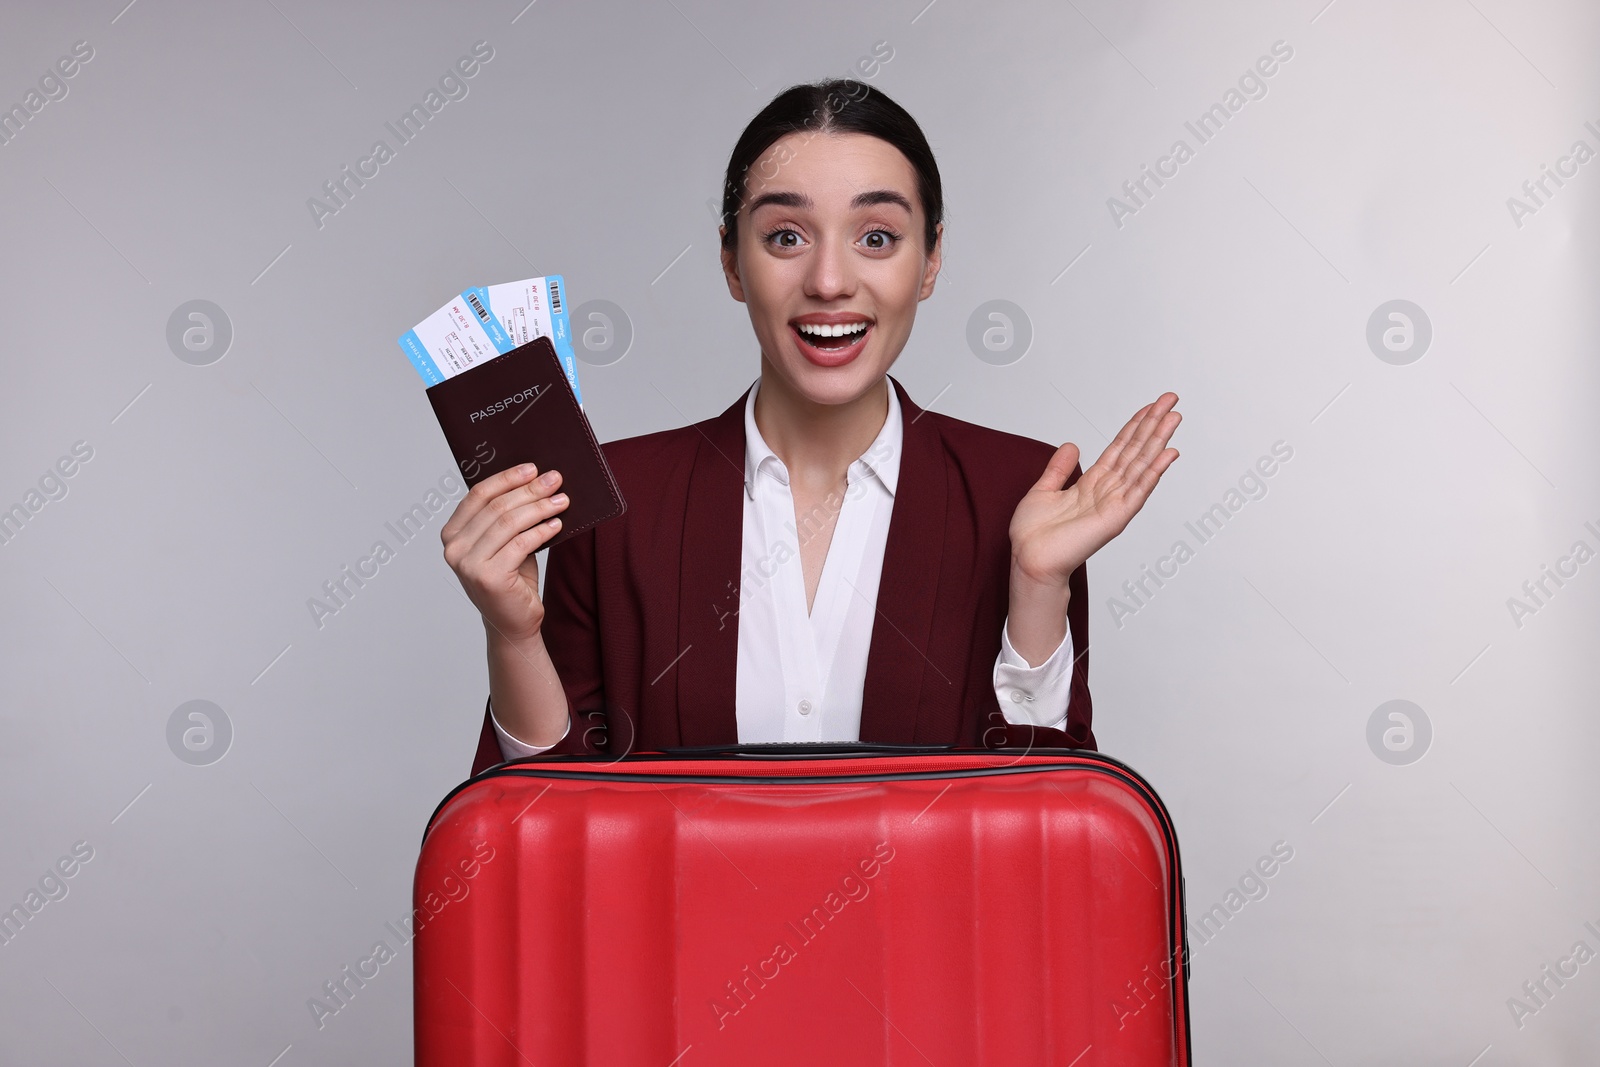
x,y
1024,917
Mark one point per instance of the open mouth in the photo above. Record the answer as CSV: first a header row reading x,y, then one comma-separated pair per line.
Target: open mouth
x,y
831,345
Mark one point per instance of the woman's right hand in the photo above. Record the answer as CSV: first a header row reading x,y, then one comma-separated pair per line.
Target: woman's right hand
x,y
490,543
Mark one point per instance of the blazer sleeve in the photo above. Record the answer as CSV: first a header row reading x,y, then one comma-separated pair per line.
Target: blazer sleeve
x,y
1080,709
572,635
1077,732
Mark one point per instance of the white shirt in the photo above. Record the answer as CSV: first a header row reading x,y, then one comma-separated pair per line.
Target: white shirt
x,y
800,676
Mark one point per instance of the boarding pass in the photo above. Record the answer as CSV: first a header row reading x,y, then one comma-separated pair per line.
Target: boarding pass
x,y
488,321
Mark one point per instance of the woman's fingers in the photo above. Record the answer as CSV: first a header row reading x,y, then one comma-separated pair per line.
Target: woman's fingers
x,y
1152,446
525,544
509,525
1147,425
1144,481
1155,414
491,535
515,497
1059,468
480,495
1159,467
1108,458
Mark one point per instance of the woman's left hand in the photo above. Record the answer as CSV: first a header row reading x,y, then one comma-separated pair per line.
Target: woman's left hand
x,y
1055,529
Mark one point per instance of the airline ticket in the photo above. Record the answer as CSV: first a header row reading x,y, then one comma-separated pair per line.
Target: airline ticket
x,y
536,307
489,321
455,338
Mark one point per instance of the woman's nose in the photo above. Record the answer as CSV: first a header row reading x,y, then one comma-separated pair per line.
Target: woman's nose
x,y
829,273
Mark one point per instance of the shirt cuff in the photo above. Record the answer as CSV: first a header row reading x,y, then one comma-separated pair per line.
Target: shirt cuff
x,y
511,748
1033,696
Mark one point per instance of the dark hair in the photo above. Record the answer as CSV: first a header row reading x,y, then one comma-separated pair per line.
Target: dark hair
x,y
838,105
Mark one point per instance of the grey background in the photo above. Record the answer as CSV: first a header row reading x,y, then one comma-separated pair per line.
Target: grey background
x,y
1378,566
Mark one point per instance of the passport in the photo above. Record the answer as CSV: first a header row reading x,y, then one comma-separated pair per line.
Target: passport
x,y
519,407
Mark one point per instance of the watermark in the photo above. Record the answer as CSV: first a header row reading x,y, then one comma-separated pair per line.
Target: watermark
x,y
999,332
1252,85
1399,732
811,926
1253,885
52,886
1140,591
1542,988
52,87
340,990
199,332
868,66
199,732
52,486
1399,332
341,589
341,189
1537,592
1537,193
603,332
1152,985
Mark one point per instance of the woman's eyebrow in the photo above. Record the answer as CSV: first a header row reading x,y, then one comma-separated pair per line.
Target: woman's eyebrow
x,y
860,200
880,196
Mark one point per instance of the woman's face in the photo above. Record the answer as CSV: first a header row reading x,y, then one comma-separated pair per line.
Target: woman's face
x,y
830,237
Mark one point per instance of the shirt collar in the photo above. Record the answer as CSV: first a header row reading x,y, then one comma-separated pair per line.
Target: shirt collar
x,y
881,460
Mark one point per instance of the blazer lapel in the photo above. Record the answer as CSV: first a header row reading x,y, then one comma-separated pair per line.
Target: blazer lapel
x,y
898,665
902,629
708,584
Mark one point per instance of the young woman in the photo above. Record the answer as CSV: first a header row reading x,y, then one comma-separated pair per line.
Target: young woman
x,y
825,560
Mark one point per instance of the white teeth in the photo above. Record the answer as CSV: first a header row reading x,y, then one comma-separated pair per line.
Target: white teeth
x,y
830,331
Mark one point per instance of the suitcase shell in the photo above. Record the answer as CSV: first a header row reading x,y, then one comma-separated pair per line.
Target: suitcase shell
x,y
802,904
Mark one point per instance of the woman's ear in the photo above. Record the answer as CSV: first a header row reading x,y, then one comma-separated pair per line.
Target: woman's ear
x,y
730,264
931,263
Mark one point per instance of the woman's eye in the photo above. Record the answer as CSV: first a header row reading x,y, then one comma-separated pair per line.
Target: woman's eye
x,y
878,240
779,238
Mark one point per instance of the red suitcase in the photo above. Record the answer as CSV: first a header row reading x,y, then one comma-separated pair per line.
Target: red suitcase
x,y
802,904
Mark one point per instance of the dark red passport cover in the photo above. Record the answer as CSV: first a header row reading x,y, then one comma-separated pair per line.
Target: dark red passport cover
x,y
518,408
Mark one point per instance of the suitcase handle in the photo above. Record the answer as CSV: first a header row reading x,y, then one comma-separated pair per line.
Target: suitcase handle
x,y
806,749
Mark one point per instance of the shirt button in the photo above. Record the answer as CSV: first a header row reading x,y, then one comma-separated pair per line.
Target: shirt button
x,y
805,707
1016,696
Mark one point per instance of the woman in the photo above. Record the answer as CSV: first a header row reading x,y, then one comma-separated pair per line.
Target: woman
x,y
824,560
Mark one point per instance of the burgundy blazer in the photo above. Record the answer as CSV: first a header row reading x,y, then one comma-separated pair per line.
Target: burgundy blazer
x,y
641,612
